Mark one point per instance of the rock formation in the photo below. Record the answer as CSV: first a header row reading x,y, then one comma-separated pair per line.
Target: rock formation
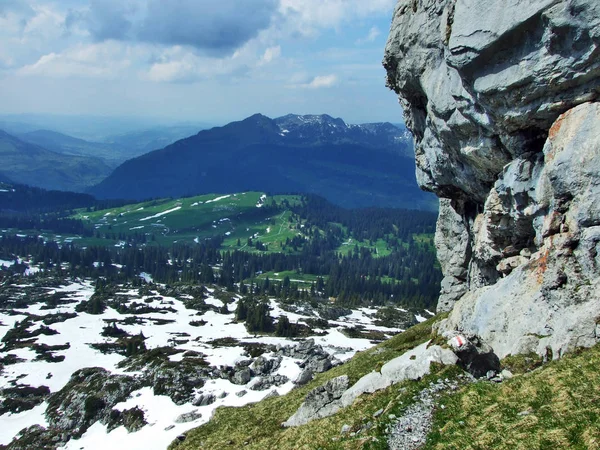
x,y
502,100
336,394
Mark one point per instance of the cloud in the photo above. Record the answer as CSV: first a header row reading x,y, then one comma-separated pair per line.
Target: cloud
x,y
106,19
318,82
271,54
100,60
14,15
179,64
370,37
323,81
307,17
27,32
16,7
214,27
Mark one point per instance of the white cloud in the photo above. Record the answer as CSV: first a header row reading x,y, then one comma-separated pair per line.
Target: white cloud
x,y
271,54
181,64
28,32
318,82
370,37
323,81
182,70
104,60
307,17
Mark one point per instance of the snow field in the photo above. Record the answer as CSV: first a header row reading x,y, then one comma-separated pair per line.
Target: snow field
x,y
160,411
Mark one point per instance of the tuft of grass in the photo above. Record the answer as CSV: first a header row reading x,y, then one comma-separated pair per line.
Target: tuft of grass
x,y
258,426
555,406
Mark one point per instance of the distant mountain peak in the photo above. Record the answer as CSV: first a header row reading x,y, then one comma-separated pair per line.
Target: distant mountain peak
x,y
353,165
309,120
258,117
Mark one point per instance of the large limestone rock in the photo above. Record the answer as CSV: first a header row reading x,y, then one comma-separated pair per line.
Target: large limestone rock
x,y
334,395
320,402
501,98
411,365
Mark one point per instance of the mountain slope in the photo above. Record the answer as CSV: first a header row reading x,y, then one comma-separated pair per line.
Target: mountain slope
x,y
36,166
68,145
137,143
114,149
349,165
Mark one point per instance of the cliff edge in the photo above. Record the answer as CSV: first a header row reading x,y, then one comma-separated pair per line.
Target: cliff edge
x,y
502,98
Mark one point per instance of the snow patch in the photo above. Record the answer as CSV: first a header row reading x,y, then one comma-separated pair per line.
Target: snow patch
x,y
168,211
218,199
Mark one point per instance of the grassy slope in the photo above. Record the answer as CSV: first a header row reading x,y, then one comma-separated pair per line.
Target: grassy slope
x,y
561,401
198,218
556,406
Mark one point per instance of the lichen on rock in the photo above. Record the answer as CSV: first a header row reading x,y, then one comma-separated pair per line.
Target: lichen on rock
x,y
502,100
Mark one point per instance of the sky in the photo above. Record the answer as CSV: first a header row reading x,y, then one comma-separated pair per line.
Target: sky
x,y
196,60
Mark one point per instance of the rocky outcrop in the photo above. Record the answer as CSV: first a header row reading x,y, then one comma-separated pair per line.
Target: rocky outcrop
x,y
412,365
334,395
322,401
88,397
314,357
502,99
19,398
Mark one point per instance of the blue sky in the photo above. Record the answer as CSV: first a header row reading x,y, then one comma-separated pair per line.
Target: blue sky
x,y
196,60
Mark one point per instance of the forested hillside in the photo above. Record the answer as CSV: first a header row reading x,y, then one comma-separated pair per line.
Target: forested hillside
x,y
287,246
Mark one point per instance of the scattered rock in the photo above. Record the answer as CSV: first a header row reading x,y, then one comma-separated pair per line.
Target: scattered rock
x,y
506,374
305,377
264,383
188,417
313,356
264,366
89,396
204,400
271,394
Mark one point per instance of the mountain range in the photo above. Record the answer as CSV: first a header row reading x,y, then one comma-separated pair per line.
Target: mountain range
x,y
26,163
68,145
114,150
351,165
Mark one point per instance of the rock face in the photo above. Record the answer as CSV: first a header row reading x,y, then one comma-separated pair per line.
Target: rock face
x,y
501,97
